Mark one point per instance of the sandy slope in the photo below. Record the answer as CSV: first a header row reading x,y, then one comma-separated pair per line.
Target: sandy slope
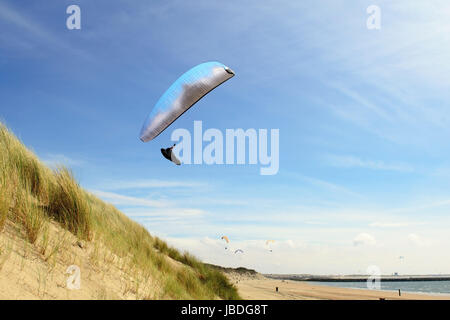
x,y
264,288
27,273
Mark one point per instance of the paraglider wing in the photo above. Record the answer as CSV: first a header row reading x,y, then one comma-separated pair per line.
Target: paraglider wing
x,y
226,239
239,250
183,94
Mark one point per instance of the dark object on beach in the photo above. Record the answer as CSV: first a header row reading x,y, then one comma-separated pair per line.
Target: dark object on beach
x,y
399,292
383,299
276,289
80,244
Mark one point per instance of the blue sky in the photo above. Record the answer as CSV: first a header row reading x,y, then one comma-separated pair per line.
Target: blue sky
x,y
363,118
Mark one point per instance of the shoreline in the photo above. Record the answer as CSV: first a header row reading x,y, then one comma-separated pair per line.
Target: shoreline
x,y
265,289
356,278
321,283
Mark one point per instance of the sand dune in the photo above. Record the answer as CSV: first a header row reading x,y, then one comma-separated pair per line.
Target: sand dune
x,y
25,274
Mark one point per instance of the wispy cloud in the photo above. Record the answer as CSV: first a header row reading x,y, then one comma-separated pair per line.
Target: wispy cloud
x,y
421,207
348,161
389,224
364,239
164,212
118,199
36,32
54,160
418,240
150,184
14,17
361,102
329,186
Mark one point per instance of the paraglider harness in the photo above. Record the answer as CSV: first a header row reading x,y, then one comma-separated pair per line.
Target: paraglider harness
x,y
167,153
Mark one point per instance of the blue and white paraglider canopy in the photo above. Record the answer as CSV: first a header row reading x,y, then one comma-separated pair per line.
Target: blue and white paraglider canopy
x,y
182,95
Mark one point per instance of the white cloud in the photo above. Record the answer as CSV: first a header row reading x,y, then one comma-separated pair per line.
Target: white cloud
x,y
327,185
418,240
389,224
355,162
364,239
315,258
54,160
36,31
361,101
9,14
151,183
168,213
118,199
421,207
290,243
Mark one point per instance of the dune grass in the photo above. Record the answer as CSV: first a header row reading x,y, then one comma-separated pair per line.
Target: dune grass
x,y
6,195
32,195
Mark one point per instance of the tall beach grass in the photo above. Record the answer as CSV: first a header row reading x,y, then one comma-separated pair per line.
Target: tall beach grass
x,y
32,195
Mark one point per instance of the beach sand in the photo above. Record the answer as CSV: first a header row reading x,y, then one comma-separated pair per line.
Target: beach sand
x,y
25,274
264,289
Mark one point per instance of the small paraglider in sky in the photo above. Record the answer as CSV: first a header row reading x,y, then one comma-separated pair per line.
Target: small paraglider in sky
x,y
238,251
269,244
187,90
226,239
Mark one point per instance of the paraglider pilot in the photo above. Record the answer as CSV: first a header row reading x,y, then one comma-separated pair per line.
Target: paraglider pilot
x,y
168,154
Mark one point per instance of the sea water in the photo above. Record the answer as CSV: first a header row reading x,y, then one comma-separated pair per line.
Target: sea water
x,y
442,287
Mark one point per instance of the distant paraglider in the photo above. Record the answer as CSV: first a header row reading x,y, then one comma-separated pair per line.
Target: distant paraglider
x,y
226,240
238,251
269,244
182,95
